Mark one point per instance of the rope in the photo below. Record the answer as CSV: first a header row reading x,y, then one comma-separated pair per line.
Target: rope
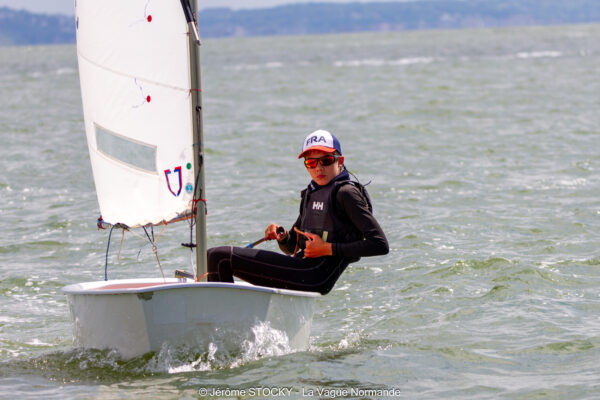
x,y
161,231
121,245
155,251
298,232
136,234
192,264
361,187
152,241
198,193
202,277
106,260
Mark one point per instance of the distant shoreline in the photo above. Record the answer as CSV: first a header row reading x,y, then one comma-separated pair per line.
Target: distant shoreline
x,y
18,27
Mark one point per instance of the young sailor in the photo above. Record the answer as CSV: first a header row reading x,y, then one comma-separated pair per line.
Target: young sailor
x,y
335,228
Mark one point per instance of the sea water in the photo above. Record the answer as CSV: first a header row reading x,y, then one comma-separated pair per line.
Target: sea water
x,y
482,152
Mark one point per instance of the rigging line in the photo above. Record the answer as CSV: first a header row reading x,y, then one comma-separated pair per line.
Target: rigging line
x,y
191,244
164,226
198,195
139,252
146,16
146,8
145,98
148,236
152,242
155,251
159,233
361,188
107,248
192,265
121,245
201,277
134,233
192,221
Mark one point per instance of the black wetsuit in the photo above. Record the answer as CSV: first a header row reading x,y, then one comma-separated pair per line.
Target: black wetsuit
x,y
358,230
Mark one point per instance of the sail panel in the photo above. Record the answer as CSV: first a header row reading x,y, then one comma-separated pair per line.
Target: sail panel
x,y
138,38
135,85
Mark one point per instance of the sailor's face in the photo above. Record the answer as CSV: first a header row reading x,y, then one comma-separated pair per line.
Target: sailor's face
x,y
322,174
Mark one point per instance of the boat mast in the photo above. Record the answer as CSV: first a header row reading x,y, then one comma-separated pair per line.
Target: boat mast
x,y
191,11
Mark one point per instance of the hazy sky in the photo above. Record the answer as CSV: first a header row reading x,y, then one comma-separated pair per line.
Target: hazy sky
x,y
67,6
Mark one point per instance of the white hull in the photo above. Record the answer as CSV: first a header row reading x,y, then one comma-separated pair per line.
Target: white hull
x,y
136,316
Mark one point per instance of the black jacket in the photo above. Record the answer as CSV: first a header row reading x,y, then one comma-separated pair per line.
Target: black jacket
x,y
352,210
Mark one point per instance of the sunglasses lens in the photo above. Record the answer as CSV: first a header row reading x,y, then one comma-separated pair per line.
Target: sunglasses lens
x,y
327,160
311,162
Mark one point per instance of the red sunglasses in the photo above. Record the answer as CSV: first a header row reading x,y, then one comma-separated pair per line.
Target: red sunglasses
x,y
325,161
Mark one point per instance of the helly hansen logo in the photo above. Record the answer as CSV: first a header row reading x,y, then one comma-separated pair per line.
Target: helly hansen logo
x,y
318,205
315,139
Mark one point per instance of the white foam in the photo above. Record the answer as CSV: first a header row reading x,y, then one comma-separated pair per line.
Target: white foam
x,y
274,64
379,62
573,182
65,71
351,339
199,364
267,342
256,67
413,60
37,342
262,341
539,54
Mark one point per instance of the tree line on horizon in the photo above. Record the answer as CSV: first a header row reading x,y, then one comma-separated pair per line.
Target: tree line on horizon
x,y
19,27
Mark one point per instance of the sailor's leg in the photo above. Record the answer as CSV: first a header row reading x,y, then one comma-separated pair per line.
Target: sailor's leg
x,y
268,268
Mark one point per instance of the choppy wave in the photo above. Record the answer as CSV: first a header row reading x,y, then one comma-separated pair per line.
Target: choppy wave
x,y
482,149
263,341
256,67
565,347
466,267
90,365
380,62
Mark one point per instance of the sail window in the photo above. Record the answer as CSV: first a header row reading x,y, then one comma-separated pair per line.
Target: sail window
x,y
133,153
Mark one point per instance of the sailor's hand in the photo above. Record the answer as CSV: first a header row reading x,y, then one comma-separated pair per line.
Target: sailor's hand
x,y
316,247
275,231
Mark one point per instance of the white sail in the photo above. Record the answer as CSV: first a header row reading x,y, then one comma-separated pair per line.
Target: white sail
x,y
135,87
